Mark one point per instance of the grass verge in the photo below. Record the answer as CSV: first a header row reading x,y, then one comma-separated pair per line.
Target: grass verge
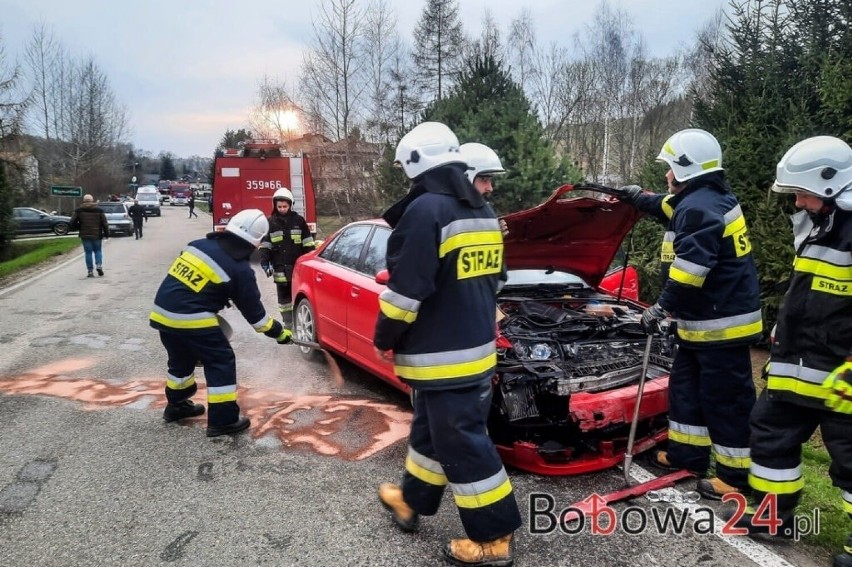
x,y
22,254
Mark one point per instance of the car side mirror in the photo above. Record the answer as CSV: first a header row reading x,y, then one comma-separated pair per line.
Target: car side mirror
x,y
382,277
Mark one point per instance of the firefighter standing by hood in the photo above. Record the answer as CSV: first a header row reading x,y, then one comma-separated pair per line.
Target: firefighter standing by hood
x,y
445,258
289,237
711,291
207,276
809,376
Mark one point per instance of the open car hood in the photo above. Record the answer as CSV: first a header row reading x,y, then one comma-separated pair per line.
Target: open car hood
x,y
577,231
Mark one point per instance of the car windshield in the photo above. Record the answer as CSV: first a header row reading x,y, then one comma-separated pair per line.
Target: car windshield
x,y
543,277
112,207
148,197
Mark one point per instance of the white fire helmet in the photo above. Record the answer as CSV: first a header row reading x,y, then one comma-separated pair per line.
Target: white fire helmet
x,y
822,166
284,194
481,160
250,225
427,146
690,153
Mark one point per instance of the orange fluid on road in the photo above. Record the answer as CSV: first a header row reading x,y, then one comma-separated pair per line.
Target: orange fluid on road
x,y
347,428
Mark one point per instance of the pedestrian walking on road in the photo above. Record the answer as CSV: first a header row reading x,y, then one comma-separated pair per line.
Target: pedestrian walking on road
x,y
711,291
91,222
809,375
191,204
138,213
207,276
437,326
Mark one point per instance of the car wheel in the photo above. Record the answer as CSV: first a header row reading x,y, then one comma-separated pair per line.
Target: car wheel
x,y
61,229
305,328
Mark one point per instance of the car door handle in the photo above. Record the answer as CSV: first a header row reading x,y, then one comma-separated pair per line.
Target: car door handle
x,y
355,292
318,277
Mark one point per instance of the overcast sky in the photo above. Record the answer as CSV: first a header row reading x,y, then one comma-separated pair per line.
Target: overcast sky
x,y
188,70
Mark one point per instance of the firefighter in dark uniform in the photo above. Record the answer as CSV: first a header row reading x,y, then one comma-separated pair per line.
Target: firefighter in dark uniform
x,y
289,237
809,376
207,276
445,258
711,292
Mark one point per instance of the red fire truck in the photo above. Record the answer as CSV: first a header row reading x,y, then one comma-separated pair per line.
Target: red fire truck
x,y
246,178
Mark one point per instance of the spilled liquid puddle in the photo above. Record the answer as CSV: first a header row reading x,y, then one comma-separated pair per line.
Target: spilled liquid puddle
x,y
347,428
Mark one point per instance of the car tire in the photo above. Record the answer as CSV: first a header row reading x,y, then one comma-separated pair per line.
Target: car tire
x,y
305,327
61,229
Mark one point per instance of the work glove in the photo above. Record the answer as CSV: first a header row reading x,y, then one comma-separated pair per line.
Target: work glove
x,y
838,382
285,338
267,269
651,318
628,194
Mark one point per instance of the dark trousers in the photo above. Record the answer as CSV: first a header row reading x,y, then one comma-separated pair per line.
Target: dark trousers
x,y
137,228
711,394
192,213
220,372
778,431
449,444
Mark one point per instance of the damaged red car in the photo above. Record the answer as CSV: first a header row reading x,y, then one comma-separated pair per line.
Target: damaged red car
x,y
569,341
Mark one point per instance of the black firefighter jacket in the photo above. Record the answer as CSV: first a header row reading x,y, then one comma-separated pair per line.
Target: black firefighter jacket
x,y
207,275
445,258
711,288
288,238
814,331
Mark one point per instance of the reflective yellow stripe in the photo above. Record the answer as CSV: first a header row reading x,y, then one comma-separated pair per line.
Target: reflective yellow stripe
x,y
447,371
424,474
485,498
393,312
685,278
181,385
710,164
710,335
820,268
800,387
184,323
220,398
733,462
689,439
776,486
668,210
734,226
469,239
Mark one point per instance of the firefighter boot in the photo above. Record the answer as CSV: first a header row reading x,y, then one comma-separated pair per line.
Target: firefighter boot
x,y
660,459
241,424
390,495
845,558
182,410
715,488
495,553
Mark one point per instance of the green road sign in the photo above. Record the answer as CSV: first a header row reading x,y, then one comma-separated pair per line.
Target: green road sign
x,y
64,191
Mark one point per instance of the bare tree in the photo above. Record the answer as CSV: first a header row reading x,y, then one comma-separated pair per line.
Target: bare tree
x,y
381,49
522,49
406,104
332,70
275,115
13,97
438,45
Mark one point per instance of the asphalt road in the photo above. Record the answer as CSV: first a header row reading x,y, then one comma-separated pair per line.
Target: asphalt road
x,y
91,475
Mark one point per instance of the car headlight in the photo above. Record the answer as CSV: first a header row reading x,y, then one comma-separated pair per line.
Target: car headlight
x,y
530,350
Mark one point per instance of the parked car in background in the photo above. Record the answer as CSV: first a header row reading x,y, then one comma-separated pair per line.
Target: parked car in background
x,y
569,352
117,217
33,221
